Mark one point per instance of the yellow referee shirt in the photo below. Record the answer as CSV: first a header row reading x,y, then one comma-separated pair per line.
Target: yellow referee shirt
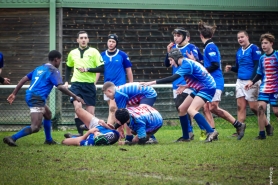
x,y
88,58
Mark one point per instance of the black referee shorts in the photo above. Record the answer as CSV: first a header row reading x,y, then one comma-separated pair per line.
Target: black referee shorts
x,y
87,91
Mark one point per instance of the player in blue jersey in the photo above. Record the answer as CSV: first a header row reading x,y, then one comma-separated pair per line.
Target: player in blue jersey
x,y
130,94
268,72
247,59
117,67
1,62
212,62
144,121
181,41
203,85
4,81
99,132
43,78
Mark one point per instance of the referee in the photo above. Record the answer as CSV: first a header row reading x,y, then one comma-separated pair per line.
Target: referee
x,y
86,62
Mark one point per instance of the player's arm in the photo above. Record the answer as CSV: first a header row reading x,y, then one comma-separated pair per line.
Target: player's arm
x,y
256,55
167,61
212,67
4,81
11,97
65,90
141,132
129,74
235,68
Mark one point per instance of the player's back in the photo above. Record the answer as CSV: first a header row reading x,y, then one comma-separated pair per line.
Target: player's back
x,y
135,89
42,80
196,75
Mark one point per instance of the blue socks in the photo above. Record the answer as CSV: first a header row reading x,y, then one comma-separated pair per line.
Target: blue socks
x,y
129,138
190,128
184,126
47,129
23,132
262,134
203,122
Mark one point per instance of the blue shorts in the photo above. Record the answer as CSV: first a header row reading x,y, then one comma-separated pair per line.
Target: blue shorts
x,y
34,101
151,131
271,98
87,91
148,101
205,94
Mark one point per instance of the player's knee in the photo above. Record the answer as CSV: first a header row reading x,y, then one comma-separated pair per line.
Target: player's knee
x,y
112,109
35,128
260,110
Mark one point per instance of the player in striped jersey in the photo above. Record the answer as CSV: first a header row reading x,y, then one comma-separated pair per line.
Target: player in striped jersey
x,y
197,78
181,41
268,72
130,94
144,121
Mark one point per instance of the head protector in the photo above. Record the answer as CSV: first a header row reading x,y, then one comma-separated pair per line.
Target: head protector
x,y
122,115
175,54
114,37
182,32
101,140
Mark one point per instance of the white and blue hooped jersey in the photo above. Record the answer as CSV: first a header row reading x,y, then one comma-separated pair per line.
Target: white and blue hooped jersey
x,y
43,78
245,61
115,67
268,68
144,119
212,54
189,48
196,75
132,93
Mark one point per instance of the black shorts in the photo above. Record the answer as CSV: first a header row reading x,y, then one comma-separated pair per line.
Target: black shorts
x,y
87,91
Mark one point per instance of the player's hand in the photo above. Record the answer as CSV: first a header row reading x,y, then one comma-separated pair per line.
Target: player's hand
x,y
190,55
121,132
79,100
66,85
228,68
248,85
147,83
82,69
11,98
6,81
181,88
169,47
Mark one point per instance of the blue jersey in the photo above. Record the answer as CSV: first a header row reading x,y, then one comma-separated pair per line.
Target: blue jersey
x,y
268,69
115,67
245,61
144,119
212,54
196,75
189,48
132,93
42,80
1,60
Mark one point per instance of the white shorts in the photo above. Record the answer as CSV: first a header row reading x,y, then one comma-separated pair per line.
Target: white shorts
x,y
187,90
37,109
93,123
251,94
105,97
217,95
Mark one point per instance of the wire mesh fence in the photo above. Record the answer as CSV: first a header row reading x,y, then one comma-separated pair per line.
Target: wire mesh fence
x,y
15,116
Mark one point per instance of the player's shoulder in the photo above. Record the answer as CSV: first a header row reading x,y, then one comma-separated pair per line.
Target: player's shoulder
x,y
254,47
93,50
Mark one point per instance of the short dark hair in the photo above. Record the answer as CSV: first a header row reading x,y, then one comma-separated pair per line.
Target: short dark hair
x,y
107,85
267,36
206,30
81,32
122,115
243,31
54,54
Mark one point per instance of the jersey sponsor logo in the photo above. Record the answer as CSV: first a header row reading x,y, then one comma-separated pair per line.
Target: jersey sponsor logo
x,y
258,52
39,72
212,54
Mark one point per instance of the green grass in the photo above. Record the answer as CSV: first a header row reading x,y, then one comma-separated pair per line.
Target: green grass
x,y
226,161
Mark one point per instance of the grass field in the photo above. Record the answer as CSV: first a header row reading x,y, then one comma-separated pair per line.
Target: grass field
x,y
226,161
